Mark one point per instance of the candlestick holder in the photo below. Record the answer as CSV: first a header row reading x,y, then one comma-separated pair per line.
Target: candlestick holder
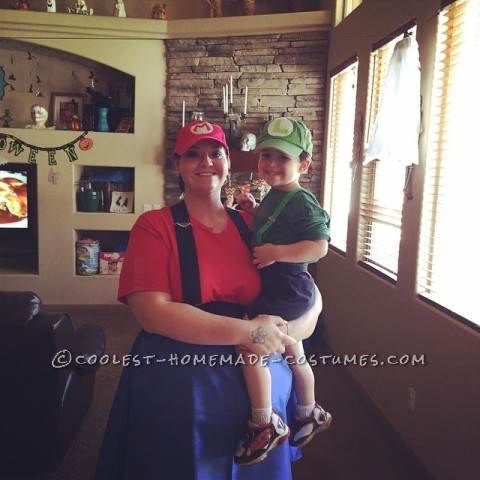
x,y
234,120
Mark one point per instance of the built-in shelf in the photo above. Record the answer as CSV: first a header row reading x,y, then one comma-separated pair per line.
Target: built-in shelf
x,y
42,26
100,189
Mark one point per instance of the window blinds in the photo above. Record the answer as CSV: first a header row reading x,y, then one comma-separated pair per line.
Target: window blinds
x,y
338,174
381,198
449,258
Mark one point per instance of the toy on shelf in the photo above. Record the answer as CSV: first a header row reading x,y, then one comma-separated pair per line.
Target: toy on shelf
x,y
39,116
248,142
119,9
21,5
52,6
80,8
159,12
7,118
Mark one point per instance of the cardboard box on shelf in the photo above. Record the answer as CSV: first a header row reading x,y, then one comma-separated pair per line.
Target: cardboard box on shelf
x,y
111,263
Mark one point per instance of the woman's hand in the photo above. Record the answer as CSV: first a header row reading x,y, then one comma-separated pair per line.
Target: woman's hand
x,y
265,336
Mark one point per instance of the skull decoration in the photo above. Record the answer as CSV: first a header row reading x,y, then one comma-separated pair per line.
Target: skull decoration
x,y
248,142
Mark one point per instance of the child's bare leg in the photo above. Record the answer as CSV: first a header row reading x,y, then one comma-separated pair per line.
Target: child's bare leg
x,y
266,430
311,418
303,378
259,386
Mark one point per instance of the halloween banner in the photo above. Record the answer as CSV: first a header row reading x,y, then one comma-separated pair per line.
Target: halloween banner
x,y
16,146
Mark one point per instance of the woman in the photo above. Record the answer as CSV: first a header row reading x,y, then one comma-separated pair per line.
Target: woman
x,y
187,278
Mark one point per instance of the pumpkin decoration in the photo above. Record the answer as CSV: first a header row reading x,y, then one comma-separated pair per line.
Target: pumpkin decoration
x,y
85,144
75,123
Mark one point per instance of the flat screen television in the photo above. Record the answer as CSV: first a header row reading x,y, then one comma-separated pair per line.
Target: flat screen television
x,y
18,203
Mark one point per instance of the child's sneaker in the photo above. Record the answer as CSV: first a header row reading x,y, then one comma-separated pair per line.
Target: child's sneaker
x,y
260,440
306,428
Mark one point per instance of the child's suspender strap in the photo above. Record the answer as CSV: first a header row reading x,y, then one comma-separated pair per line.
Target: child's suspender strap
x,y
262,231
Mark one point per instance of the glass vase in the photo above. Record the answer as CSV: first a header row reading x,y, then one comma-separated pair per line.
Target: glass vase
x,y
102,124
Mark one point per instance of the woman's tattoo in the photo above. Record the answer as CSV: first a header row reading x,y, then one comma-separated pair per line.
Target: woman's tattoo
x,y
258,335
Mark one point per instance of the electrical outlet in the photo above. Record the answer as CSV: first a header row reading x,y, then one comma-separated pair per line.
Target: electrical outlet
x,y
147,207
411,399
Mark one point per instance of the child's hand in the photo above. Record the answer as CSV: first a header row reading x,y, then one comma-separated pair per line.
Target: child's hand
x,y
264,255
247,202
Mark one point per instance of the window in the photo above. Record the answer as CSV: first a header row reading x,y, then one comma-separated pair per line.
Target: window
x,y
381,198
449,257
343,8
339,158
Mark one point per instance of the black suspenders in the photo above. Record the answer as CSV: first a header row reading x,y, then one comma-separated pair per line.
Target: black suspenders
x,y
187,250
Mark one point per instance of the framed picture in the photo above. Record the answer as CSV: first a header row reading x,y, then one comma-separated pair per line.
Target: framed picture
x,y
65,106
125,125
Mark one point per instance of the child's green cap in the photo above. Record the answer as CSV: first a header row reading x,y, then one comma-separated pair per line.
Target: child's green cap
x,y
286,134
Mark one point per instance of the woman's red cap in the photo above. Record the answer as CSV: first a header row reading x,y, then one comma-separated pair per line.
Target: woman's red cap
x,y
195,132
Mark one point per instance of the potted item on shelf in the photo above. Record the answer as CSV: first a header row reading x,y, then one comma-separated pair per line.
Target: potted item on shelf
x,y
90,200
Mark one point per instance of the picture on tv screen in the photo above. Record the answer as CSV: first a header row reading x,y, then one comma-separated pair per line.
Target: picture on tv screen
x,y
13,199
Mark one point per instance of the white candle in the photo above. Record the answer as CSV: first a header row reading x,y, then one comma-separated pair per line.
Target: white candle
x,y
183,113
231,90
246,96
226,98
223,99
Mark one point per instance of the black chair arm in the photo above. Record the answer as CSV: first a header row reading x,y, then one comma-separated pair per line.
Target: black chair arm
x,y
88,347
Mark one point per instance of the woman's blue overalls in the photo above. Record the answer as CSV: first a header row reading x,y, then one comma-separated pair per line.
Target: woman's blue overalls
x,y
182,414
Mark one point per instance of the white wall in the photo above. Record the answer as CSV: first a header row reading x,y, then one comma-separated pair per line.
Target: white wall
x,y
367,315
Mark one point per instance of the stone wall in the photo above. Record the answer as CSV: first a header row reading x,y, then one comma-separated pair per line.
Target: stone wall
x,y
285,74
